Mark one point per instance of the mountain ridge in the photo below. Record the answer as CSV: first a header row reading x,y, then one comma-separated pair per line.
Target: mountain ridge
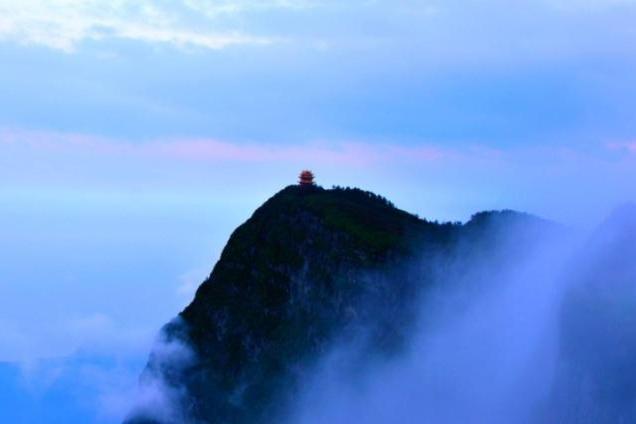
x,y
309,266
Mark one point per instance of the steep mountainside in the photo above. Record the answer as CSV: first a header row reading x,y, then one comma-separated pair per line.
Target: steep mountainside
x,y
310,267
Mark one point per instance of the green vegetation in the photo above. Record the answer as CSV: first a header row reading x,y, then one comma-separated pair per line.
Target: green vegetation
x,y
309,266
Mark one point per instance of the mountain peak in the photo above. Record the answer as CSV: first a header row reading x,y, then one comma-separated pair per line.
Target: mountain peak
x,y
291,279
310,266
372,220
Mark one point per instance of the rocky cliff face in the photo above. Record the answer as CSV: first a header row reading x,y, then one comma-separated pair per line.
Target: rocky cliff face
x,y
310,267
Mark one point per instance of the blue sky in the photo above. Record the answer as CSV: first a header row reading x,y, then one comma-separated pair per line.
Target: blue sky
x,y
134,136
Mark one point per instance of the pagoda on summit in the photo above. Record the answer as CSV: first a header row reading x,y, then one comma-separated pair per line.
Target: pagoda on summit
x,y
306,178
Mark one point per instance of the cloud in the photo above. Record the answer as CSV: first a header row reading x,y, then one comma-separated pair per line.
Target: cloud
x,y
434,25
63,24
628,147
456,179
90,362
88,388
485,334
213,150
28,342
157,398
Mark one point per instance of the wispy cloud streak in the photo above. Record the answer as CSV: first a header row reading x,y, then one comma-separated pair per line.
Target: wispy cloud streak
x,y
457,179
63,24
213,150
628,146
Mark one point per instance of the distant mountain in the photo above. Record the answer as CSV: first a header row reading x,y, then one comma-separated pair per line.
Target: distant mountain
x,y
596,377
310,267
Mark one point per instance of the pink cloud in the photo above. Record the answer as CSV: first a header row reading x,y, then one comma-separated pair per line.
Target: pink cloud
x,y
625,146
212,150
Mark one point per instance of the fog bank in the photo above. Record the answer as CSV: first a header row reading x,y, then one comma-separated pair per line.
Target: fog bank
x,y
489,345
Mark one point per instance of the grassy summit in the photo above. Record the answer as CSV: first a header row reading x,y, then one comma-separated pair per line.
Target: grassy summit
x,y
373,221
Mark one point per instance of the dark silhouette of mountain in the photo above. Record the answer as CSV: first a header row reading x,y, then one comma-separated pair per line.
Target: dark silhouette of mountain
x,y
310,267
